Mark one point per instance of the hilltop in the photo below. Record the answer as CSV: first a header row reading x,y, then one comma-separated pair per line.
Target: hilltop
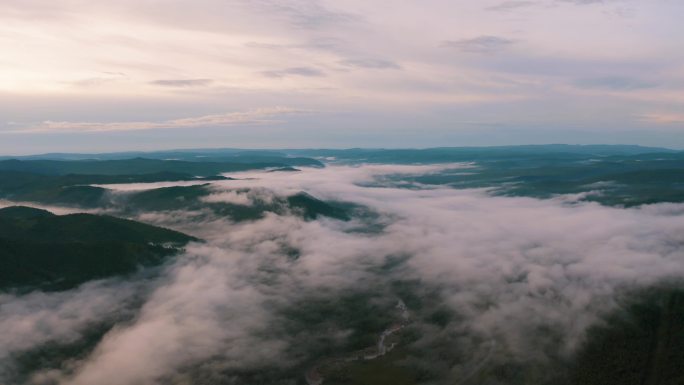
x,y
41,249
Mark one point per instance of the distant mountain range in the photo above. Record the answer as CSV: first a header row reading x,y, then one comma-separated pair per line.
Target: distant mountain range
x,y
290,156
145,166
459,154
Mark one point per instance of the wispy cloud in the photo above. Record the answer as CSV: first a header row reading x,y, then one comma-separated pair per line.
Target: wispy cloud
x,y
310,14
581,2
615,83
370,63
373,54
182,82
294,71
256,116
102,78
663,118
480,44
511,5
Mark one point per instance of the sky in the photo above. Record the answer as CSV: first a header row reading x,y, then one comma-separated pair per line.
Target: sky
x,y
85,76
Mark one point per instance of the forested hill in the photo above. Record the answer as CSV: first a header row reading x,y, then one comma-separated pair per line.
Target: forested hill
x,y
55,252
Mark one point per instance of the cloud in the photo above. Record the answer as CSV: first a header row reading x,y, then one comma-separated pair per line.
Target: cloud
x,y
511,5
319,43
370,63
182,82
251,117
615,83
54,58
294,71
503,267
663,118
304,13
109,77
203,312
480,44
584,2
37,318
243,198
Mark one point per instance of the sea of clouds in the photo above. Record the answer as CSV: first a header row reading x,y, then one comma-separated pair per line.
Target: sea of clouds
x,y
521,277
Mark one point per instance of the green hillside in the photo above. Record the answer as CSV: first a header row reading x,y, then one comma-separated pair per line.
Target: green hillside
x,y
641,345
73,189
40,249
189,198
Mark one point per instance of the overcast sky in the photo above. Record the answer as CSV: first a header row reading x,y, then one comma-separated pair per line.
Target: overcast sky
x,y
149,74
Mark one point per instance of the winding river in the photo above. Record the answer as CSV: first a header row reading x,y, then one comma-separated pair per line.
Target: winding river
x,y
313,375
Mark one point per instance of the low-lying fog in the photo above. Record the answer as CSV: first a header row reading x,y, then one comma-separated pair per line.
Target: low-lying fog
x,y
518,278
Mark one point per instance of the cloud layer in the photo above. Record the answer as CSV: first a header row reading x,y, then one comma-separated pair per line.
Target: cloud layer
x,y
504,268
259,116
